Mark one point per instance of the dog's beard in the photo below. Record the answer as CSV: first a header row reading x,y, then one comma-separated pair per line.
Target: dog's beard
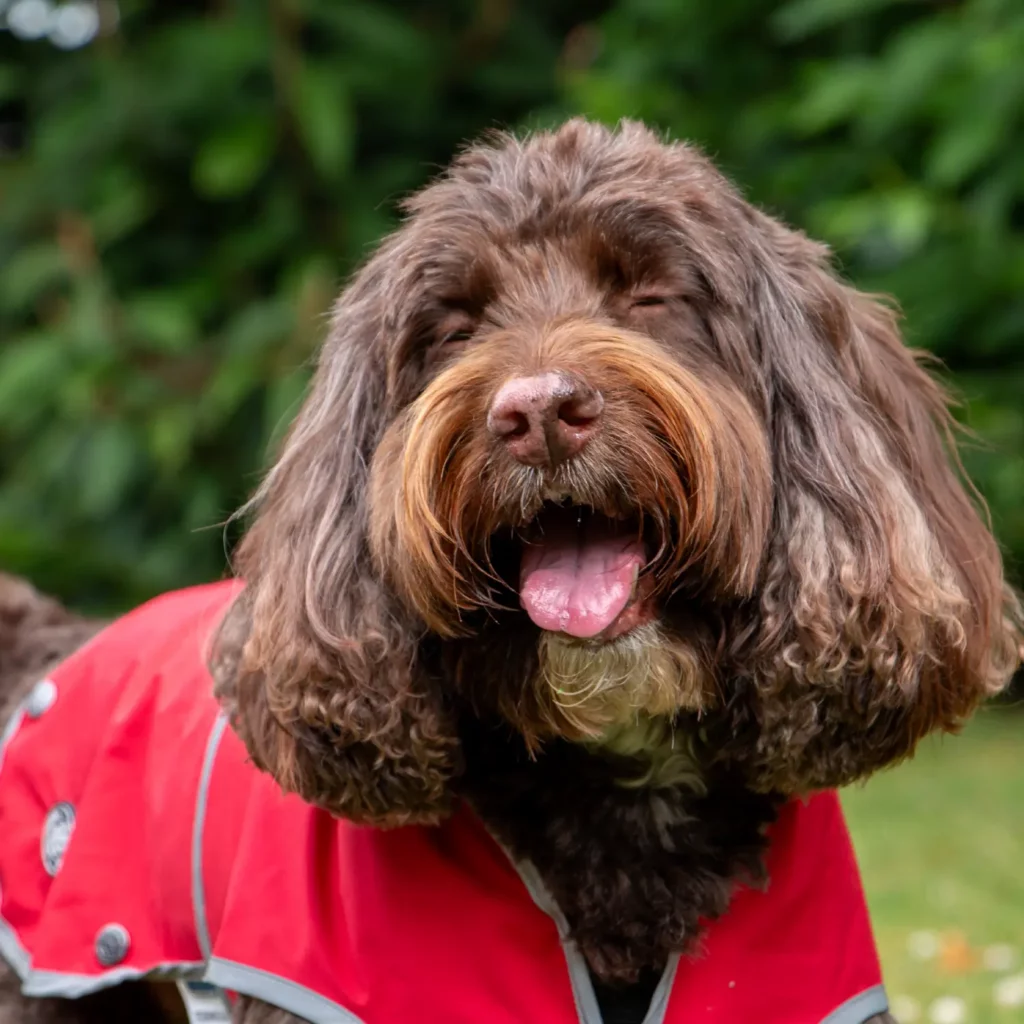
x,y
603,658
588,689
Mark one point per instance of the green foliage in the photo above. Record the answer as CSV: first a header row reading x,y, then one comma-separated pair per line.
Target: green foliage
x,y
191,193
193,189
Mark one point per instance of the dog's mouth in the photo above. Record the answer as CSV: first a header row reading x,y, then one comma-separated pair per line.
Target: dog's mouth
x,y
582,573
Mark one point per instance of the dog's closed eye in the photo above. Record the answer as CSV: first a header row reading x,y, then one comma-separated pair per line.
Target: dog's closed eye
x,y
462,334
457,326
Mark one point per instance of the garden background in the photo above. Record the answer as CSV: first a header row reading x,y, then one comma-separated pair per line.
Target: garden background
x,y
184,185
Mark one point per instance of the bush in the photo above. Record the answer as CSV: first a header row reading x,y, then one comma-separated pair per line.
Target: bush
x,y
188,196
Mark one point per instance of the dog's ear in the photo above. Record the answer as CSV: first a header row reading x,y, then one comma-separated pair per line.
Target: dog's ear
x,y
317,663
883,612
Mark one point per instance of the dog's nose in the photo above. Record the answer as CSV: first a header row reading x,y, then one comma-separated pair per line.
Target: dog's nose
x,y
545,420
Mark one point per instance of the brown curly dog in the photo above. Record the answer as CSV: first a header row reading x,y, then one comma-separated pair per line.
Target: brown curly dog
x,y
612,512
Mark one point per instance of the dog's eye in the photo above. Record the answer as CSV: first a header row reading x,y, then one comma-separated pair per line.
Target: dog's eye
x,y
456,327
648,300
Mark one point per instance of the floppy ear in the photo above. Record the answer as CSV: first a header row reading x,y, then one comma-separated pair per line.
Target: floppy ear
x,y
317,663
883,613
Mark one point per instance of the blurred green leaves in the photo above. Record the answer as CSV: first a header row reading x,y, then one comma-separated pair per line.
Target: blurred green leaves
x,y
193,190
191,193
321,108
232,161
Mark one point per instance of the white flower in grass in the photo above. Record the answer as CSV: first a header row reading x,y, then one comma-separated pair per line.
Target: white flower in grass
x,y
1009,992
923,945
905,1009
999,957
948,1010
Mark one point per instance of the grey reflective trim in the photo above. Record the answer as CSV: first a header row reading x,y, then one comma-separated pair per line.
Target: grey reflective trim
x,y
9,730
277,991
13,951
870,1003
74,986
198,892
587,1007
204,1003
11,948
659,1001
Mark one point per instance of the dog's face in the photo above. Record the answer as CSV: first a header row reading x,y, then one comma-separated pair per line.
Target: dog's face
x,y
593,438
569,441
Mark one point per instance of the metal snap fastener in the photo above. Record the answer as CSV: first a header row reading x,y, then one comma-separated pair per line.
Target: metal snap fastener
x,y
40,698
57,831
112,944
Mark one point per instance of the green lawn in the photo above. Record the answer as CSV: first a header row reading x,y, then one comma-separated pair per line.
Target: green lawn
x,y
941,846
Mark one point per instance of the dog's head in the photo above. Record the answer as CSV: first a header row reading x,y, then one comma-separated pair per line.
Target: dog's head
x,y
591,437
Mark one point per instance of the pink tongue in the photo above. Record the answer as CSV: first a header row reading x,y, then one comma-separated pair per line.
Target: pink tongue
x,y
578,579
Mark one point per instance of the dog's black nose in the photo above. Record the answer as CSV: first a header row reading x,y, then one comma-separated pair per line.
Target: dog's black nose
x,y
545,420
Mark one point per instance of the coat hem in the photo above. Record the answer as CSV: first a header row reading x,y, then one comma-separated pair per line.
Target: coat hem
x,y
62,985
862,1007
13,951
277,991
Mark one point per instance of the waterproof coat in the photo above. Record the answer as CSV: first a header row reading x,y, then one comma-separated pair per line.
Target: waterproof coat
x,y
137,840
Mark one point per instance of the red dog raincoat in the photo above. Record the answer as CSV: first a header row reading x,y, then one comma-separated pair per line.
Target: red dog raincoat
x,y
136,840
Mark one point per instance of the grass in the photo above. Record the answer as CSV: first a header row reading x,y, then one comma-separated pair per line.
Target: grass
x,y
941,845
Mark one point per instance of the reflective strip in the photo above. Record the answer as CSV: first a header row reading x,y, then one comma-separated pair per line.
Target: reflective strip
x,y
204,1003
74,986
9,730
13,951
277,991
198,891
870,1003
587,1008
11,948
659,1001
227,974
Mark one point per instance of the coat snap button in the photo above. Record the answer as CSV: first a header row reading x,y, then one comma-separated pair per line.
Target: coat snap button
x,y
40,698
57,830
112,944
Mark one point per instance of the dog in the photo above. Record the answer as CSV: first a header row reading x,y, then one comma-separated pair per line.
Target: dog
x,y
615,533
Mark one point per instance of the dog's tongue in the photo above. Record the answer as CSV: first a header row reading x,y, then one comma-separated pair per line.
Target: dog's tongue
x,y
579,577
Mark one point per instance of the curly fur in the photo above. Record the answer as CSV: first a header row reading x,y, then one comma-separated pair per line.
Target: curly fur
x,y
654,859
827,590
35,633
